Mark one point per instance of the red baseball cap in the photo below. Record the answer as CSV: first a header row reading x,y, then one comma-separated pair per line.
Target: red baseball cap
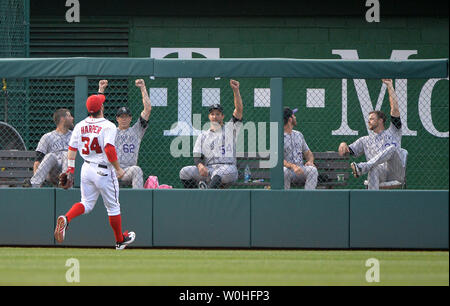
x,y
94,103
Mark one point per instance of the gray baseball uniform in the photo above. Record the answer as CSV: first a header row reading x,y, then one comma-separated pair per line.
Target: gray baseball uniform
x,y
294,147
53,147
218,150
382,154
128,143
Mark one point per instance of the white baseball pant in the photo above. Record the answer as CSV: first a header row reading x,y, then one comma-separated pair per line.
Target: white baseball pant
x,y
227,172
134,175
95,181
308,178
49,169
383,167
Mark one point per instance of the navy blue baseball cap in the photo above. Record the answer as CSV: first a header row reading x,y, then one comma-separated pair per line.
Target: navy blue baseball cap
x,y
123,110
216,106
288,113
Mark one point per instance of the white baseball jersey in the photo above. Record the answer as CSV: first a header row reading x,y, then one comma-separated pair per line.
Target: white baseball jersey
x,y
218,147
90,137
294,147
54,142
373,143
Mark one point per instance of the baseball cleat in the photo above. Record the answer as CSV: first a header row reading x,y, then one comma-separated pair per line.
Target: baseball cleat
x,y
202,185
60,230
128,238
355,169
26,183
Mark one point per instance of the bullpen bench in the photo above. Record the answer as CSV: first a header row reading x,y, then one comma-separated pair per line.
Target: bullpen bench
x,y
334,170
15,167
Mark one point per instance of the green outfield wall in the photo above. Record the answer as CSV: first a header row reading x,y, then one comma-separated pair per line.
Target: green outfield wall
x,y
341,219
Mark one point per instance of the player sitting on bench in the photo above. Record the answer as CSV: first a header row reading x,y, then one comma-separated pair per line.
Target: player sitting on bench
x,y
381,146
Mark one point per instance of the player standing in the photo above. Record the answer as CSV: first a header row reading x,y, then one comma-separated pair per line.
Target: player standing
x,y
215,149
381,146
95,137
128,139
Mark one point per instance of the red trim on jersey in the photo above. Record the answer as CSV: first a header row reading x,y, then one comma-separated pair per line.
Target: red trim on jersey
x,y
72,149
111,153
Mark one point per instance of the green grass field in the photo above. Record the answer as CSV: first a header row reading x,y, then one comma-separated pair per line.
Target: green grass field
x,y
180,267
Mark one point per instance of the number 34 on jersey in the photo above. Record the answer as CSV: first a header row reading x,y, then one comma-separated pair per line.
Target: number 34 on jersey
x,y
91,146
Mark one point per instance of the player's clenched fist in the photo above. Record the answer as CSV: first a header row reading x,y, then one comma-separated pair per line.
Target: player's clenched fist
x,y
388,82
234,84
102,84
139,83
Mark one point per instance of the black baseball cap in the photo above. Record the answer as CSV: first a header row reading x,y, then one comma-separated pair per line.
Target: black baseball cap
x,y
216,106
288,113
123,110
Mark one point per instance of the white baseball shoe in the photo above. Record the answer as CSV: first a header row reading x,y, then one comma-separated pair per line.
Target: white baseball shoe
x,y
202,185
60,230
128,238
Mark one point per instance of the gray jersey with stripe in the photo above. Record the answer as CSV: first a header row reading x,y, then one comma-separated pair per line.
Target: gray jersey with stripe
x,y
128,142
54,142
294,147
373,144
218,147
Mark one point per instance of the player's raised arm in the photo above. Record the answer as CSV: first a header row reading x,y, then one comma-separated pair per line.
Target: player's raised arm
x,y
238,106
145,114
393,99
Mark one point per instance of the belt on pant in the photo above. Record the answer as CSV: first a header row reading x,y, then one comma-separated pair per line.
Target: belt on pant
x,y
101,166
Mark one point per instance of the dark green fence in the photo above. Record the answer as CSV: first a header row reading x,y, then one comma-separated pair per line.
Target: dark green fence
x,y
333,98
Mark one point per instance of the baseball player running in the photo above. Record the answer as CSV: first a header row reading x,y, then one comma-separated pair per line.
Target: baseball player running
x,y
380,146
52,150
94,137
295,148
128,139
215,149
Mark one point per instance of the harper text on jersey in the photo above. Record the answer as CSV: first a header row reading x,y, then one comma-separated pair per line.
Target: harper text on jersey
x,y
91,129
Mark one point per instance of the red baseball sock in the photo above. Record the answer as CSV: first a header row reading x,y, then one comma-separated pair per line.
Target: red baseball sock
x,y
116,224
76,210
